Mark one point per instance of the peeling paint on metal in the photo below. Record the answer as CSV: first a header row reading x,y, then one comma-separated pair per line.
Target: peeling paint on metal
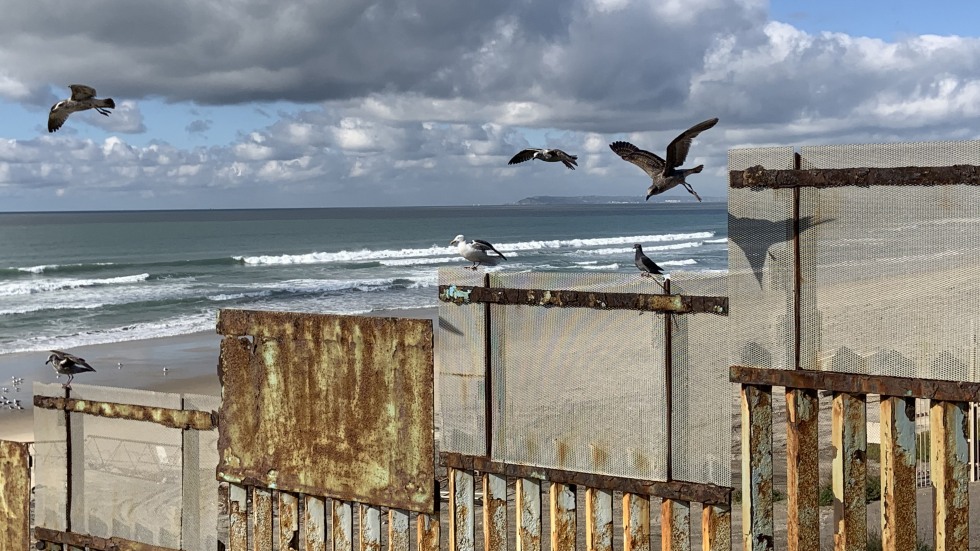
x,y
675,525
173,418
898,485
342,526
949,454
370,525
757,469
599,519
462,521
262,517
314,523
15,495
528,496
237,518
494,512
636,522
563,528
678,304
398,530
759,177
288,521
716,528
849,471
802,470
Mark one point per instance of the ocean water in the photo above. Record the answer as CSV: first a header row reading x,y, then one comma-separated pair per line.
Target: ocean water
x,y
69,279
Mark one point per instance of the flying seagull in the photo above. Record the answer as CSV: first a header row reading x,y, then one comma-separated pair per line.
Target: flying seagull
x,y
477,251
82,98
665,174
546,155
68,364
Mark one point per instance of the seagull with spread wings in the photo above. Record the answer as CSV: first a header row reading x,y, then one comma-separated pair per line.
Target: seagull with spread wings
x,y
546,155
82,98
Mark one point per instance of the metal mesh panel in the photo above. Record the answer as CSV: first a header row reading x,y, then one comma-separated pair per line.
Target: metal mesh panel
x,y
773,158
701,420
583,389
460,369
50,463
199,516
891,155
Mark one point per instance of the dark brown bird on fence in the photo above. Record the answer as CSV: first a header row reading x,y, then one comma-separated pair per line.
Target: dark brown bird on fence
x,y
665,173
68,364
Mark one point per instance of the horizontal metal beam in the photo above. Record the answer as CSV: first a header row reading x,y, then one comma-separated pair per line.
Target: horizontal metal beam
x,y
173,418
856,383
673,489
676,304
94,542
759,177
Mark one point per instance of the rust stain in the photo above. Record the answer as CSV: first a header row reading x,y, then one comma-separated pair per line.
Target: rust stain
x,y
563,451
760,177
462,526
716,528
494,512
369,379
54,539
288,521
675,525
898,485
315,523
529,510
343,527
802,472
848,433
262,517
15,495
600,457
398,531
429,538
173,418
949,454
757,469
636,522
370,525
562,517
678,304
598,519
237,518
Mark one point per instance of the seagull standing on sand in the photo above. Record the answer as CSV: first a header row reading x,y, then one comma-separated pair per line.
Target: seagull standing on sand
x,y
82,98
546,155
68,364
477,251
665,174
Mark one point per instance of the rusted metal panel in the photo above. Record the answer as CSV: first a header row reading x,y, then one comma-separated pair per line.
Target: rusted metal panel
x,y
898,473
716,528
54,539
855,383
678,304
370,525
237,518
563,528
849,471
494,512
673,489
288,521
371,380
398,530
528,504
759,177
173,418
802,470
948,456
15,495
342,526
599,519
757,484
262,518
314,523
462,521
636,522
675,525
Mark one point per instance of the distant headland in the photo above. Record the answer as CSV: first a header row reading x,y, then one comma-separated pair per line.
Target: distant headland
x,y
609,200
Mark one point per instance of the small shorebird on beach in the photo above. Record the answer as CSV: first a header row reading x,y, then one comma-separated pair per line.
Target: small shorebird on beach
x,y
82,98
546,155
665,174
476,251
68,364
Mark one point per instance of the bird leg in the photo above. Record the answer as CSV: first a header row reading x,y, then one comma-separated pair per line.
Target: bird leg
x,y
102,110
691,190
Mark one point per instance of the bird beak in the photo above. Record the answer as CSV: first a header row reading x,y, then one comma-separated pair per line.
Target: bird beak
x,y
47,361
648,197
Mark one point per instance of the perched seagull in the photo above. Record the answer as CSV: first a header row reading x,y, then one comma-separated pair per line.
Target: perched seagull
x,y
647,266
476,251
68,364
82,98
546,155
665,174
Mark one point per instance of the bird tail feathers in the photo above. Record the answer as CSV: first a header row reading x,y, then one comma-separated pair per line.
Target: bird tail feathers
x,y
697,169
106,103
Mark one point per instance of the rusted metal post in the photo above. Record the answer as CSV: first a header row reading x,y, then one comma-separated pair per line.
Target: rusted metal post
x,y
849,435
370,527
757,489
636,522
462,526
675,525
950,474
599,520
398,530
494,512
528,497
898,473
237,518
563,528
428,526
342,526
15,495
314,523
716,528
288,521
262,518
802,470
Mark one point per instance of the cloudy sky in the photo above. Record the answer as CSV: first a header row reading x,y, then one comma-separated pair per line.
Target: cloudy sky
x,y
270,103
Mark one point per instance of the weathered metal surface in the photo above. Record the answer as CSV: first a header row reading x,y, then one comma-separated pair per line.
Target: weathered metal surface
x,y
528,504
757,484
288,521
898,473
802,470
261,514
287,376
950,474
370,527
672,489
678,304
849,471
599,519
428,527
15,495
314,523
563,528
237,518
173,418
71,540
854,383
462,520
342,526
636,522
759,177
675,525
494,512
716,528
398,530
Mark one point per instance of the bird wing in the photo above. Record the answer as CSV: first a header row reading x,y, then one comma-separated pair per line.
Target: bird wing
x,y
485,246
81,92
78,361
649,162
677,150
566,159
524,155
57,117
649,265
